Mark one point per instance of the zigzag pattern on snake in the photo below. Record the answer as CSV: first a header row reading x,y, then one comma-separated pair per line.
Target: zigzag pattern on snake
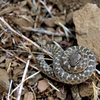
x,y
72,66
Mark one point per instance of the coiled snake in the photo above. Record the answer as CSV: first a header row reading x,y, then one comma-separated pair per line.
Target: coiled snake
x,y
72,66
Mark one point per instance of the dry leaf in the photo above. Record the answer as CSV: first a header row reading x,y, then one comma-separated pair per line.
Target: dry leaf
x,y
23,22
51,22
50,98
7,10
34,79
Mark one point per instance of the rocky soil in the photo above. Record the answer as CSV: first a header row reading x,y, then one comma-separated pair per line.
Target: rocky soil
x,y
26,26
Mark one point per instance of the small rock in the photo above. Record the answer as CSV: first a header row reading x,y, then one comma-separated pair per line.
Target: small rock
x,y
4,81
34,79
87,24
42,85
29,96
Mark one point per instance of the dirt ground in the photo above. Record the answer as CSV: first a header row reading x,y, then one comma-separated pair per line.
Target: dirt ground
x,y
26,27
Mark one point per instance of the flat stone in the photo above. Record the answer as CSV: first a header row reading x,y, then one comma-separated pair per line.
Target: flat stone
x,y
87,24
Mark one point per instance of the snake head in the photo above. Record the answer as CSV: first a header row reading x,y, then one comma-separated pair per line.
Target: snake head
x,y
74,58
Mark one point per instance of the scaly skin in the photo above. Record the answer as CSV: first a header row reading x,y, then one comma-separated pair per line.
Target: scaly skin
x,y
72,66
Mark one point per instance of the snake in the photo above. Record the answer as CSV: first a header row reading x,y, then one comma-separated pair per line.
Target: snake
x,y
73,66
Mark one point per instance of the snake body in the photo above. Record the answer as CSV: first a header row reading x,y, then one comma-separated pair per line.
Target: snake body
x,y
72,66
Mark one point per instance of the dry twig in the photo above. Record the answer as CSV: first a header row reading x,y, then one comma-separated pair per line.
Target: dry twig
x,y
23,79
34,5
66,30
43,31
53,87
24,37
46,8
95,91
17,58
31,76
8,98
